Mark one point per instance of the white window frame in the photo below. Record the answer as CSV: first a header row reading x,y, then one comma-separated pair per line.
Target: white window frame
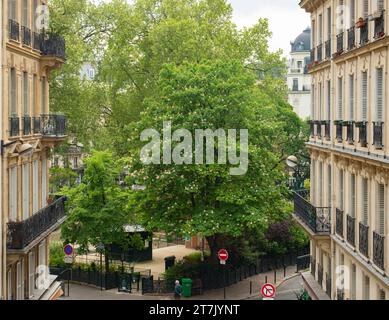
x,y
13,193
26,190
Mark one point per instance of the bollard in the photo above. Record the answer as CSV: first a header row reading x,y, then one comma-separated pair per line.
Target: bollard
x,y
284,271
275,276
251,288
266,279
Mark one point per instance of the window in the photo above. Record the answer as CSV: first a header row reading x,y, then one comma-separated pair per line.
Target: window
x,y
34,15
295,84
329,22
26,106
340,99
44,95
353,282
380,5
320,191
320,29
380,75
341,189
380,226
329,184
35,186
26,190
352,13
365,202
20,280
31,273
13,192
365,8
299,65
12,92
351,97
366,288
34,95
320,101
42,253
75,162
352,195
26,17
44,182
328,99
12,9
364,93
313,103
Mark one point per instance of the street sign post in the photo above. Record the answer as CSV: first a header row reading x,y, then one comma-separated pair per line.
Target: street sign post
x,y
68,249
223,256
68,259
268,291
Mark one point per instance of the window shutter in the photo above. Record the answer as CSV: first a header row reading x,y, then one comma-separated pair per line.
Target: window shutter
x,y
329,100
365,201
12,9
352,200
352,12
380,5
380,75
25,13
35,186
381,210
365,8
12,91
364,96
25,94
351,97
329,185
340,99
26,191
341,186
13,191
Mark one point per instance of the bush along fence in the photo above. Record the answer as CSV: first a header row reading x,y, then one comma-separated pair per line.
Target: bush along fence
x,y
210,279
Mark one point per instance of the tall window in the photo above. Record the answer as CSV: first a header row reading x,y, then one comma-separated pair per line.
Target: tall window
x,y
26,106
365,201
44,102
26,191
26,13
313,103
353,282
34,95
13,194
44,182
341,189
320,101
12,91
351,97
320,29
295,84
34,15
31,273
35,186
12,9
329,22
352,12
329,184
380,5
320,186
380,220
352,195
380,97
365,8
20,280
340,98
364,93
328,99
313,180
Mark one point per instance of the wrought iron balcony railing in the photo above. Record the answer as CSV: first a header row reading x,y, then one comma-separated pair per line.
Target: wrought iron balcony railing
x,y
14,30
328,284
320,274
318,129
327,129
351,38
37,125
14,126
328,49
26,125
340,43
378,250
26,36
378,134
350,132
53,125
364,33
379,26
362,126
21,234
339,131
320,52
312,128
37,41
53,45
364,239
318,219
351,230
339,222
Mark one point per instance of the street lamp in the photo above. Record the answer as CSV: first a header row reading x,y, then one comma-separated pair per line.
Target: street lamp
x,y
297,180
100,248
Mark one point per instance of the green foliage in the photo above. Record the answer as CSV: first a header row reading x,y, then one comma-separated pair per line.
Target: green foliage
x,y
56,256
195,257
303,295
61,177
99,208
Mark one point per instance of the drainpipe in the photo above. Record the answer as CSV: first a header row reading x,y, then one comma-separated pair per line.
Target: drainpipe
x,y
2,230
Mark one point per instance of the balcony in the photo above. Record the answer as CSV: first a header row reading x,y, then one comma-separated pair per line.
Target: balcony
x,y
26,125
350,131
313,58
37,125
378,250
21,234
53,125
351,38
316,219
362,126
53,45
339,130
364,27
14,30
364,239
26,36
14,126
36,41
320,52
339,43
312,128
328,49
318,129
378,134
327,130
351,230
339,222
379,26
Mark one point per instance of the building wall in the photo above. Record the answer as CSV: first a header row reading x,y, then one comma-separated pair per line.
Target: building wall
x,y
342,152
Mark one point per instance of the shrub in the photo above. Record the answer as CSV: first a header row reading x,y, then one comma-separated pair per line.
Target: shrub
x,y
56,258
195,257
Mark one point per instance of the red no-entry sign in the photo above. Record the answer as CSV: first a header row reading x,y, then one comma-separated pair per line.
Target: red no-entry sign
x,y
223,255
268,290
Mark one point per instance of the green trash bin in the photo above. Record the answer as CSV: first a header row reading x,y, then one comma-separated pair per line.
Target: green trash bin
x,y
187,287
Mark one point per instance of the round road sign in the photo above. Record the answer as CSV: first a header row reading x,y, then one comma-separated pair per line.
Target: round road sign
x,y
223,255
68,249
268,290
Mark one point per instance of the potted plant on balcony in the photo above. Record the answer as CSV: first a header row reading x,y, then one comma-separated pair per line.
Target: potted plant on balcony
x,y
360,23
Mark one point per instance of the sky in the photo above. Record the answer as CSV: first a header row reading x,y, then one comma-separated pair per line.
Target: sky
x,y
286,19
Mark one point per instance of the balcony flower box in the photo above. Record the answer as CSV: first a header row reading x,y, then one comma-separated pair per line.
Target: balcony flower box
x,y
360,23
